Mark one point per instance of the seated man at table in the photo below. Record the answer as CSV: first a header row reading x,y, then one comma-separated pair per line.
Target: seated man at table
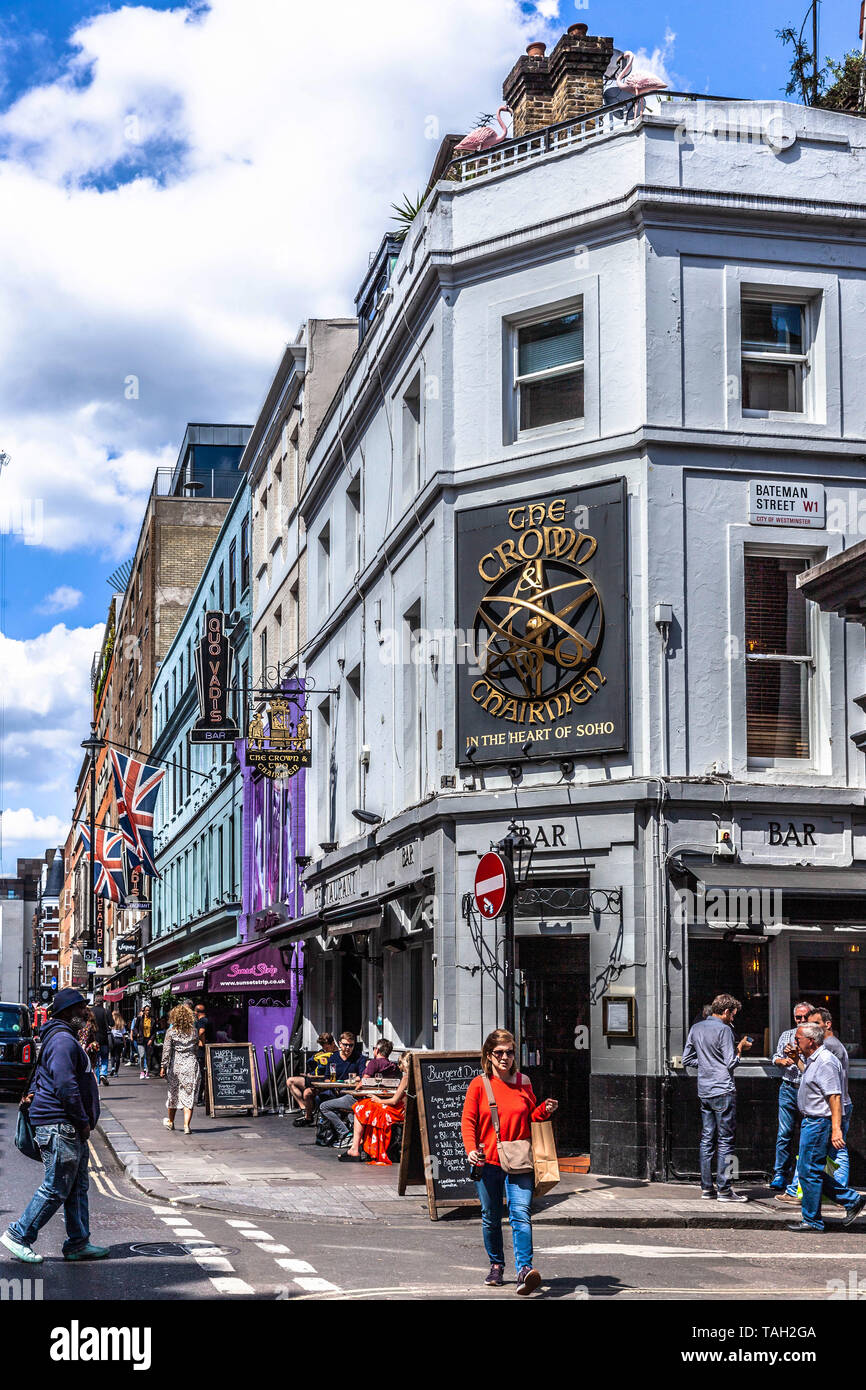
x,y
318,1067
351,1064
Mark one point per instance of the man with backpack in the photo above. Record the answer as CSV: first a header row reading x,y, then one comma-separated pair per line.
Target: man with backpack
x,y
63,1100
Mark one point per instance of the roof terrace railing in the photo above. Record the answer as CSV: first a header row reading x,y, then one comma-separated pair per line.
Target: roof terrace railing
x,y
592,125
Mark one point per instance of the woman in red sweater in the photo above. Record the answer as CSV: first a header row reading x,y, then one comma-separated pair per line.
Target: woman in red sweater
x,y
517,1107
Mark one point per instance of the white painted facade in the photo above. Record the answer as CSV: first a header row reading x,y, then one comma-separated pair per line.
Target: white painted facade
x,y
654,230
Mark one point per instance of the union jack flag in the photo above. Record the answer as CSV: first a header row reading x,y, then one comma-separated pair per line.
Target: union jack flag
x,y
108,877
136,787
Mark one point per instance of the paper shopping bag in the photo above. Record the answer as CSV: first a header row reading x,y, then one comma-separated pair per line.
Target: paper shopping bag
x,y
544,1159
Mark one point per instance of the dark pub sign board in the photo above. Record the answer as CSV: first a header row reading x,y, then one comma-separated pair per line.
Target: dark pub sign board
x,y
542,605
432,1152
214,659
232,1077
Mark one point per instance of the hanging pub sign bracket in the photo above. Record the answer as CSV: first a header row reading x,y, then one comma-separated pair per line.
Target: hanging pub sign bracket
x,y
214,658
278,735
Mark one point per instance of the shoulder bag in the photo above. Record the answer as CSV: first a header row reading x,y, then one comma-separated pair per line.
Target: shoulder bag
x,y
25,1134
515,1155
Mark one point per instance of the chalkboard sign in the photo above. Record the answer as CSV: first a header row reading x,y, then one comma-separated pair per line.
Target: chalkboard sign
x,y
232,1074
432,1150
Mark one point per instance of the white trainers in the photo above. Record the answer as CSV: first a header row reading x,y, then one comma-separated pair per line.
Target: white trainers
x,y
169,1124
21,1252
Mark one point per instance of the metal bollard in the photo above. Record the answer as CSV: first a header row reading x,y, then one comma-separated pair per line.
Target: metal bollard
x,y
288,1105
269,1068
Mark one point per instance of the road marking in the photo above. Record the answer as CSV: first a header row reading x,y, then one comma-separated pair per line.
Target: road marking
x,y
94,1156
672,1252
223,1285
273,1249
177,1223
255,1235
240,1225
217,1264
164,1211
316,1285
297,1267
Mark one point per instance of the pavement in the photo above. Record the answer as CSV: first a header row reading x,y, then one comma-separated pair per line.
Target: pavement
x,y
264,1167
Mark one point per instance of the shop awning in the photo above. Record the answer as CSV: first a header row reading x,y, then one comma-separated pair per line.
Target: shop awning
x,y
356,926
189,982
255,965
296,930
806,880
113,994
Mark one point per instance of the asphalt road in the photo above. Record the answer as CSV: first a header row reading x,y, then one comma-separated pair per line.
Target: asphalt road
x,y
169,1251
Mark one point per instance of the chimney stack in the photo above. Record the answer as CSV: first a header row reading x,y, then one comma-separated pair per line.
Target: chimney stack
x,y
543,91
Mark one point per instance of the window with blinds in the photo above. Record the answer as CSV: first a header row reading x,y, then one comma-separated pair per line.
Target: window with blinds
x,y
775,360
778,660
549,371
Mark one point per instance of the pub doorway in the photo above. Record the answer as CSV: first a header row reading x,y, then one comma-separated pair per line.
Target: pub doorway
x,y
555,1032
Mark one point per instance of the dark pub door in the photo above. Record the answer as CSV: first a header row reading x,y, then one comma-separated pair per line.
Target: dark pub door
x,y
555,1031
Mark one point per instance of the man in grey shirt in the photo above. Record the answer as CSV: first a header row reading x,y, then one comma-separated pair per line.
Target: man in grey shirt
x,y
819,1098
710,1048
839,1050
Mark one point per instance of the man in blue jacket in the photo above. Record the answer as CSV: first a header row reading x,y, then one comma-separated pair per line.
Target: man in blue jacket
x,y
64,1108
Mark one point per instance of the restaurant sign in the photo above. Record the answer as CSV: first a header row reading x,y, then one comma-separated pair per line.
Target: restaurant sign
x,y
541,597
214,659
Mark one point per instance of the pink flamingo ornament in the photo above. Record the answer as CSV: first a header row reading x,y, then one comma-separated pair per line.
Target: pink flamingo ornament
x,y
483,136
640,83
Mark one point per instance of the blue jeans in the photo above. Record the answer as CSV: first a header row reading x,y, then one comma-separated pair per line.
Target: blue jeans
x,y
841,1158
814,1148
102,1064
718,1122
789,1118
65,1183
518,1187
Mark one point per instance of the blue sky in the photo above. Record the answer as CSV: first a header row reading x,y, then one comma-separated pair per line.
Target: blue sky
x,y
175,186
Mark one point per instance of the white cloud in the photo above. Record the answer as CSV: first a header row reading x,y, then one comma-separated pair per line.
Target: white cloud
x,y
46,713
61,600
657,63
23,825
251,137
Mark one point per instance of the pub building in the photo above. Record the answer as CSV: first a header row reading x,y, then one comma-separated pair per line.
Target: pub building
x,y
556,520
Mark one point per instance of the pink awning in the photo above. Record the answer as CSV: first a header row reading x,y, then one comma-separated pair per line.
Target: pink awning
x,y
113,994
254,965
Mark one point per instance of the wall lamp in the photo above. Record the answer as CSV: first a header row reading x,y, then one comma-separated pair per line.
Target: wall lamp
x,y
367,817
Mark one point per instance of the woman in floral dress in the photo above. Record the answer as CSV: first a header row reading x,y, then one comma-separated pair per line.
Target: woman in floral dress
x,y
180,1065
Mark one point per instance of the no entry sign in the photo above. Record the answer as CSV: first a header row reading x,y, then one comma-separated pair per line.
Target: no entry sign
x,y
494,884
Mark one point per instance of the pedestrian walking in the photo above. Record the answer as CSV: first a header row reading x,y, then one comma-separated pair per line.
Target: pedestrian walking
x,y
819,1098
117,1041
839,1050
497,1136
204,1035
142,1032
710,1047
180,1065
64,1108
785,1058
102,1026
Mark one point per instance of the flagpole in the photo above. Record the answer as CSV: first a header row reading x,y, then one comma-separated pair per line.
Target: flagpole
x,y
92,746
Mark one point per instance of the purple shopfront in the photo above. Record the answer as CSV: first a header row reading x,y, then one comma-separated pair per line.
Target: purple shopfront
x,y
273,838
252,991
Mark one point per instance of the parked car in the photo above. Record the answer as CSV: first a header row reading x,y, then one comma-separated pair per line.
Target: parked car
x,y
17,1047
